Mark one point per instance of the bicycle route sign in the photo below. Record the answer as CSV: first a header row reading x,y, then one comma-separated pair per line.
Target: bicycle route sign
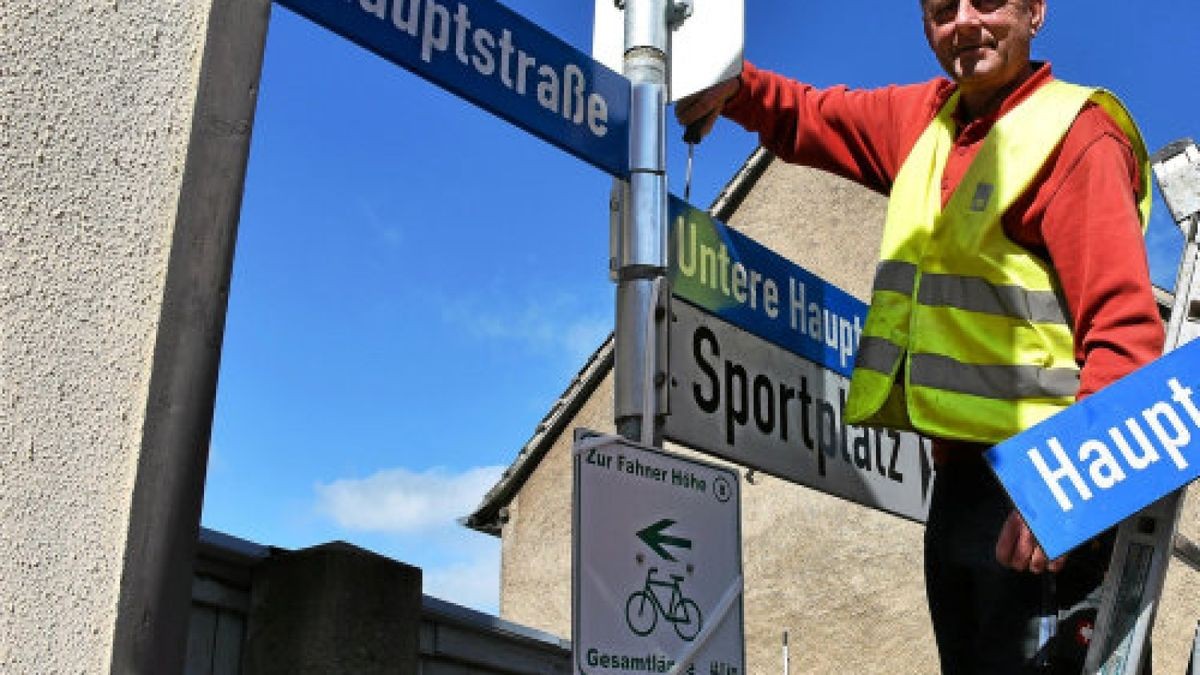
x,y
657,562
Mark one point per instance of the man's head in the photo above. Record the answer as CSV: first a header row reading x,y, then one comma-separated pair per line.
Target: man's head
x,y
983,44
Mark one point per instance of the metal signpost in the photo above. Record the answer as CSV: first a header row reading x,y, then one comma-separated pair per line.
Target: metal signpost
x,y
760,355
672,524
657,583
640,258
711,35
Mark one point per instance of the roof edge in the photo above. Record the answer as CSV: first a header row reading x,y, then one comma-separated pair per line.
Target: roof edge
x,y
488,517
738,188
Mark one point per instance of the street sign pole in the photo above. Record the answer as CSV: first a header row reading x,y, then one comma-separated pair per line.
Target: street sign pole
x,y
641,245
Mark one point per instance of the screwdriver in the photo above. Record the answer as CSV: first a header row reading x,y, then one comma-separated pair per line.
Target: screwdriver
x,y
691,136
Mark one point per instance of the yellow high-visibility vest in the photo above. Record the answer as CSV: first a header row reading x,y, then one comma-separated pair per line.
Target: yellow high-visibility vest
x,y
968,336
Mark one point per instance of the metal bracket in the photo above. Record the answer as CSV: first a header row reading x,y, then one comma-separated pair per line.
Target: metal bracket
x,y
618,197
677,12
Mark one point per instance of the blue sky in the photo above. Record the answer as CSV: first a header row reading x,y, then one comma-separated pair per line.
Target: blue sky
x,y
416,281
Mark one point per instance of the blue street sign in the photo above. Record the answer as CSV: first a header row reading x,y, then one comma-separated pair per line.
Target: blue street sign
x,y
736,279
498,60
1109,456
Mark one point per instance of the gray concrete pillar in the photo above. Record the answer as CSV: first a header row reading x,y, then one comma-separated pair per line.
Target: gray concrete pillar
x,y
124,135
333,609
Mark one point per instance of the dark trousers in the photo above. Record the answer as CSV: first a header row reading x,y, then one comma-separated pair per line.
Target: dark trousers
x,y
988,619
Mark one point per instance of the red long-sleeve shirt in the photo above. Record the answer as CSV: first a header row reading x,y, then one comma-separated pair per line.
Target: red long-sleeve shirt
x,y
1080,213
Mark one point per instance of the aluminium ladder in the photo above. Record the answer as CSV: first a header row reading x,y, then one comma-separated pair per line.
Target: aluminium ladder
x,y
1145,541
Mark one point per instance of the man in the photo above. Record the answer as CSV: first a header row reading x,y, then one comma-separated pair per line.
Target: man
x,y
1013,280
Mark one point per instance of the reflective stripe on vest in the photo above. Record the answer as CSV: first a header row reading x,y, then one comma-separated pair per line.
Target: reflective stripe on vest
x,y
1003,382
975,323
972,294
942,372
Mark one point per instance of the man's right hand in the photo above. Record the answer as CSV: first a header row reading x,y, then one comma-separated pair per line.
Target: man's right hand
x,y
699,112
1017,549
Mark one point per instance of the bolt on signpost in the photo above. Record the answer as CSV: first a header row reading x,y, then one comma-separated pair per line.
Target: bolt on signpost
x,y
663,592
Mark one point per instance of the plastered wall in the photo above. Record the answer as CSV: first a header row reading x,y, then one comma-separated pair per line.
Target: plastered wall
x,y
96,106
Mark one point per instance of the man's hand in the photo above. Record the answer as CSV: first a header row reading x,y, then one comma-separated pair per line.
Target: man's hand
x,y
1017,549
699,112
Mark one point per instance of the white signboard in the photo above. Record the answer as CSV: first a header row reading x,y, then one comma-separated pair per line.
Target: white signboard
x,y
706,47
657,564
744,399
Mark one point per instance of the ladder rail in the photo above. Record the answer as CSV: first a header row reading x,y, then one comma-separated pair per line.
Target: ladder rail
x,y
1146,541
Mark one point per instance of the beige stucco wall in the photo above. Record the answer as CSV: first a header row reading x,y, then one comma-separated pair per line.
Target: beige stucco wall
x,y
535,551
844,581
95,112
823,223
1175,630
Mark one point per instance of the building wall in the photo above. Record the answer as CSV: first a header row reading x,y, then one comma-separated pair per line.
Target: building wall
x,y
97,102
844,581
1179,613
827,225
535,551
96,122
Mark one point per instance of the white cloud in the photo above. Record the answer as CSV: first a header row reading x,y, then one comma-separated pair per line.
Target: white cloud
x,y
559,323
390,234
399,501
216,459
474,582
584,336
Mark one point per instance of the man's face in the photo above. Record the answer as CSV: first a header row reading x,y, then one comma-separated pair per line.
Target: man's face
x,y
982,44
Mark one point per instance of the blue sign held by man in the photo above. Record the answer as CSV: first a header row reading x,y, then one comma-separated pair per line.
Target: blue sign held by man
x,y
498,60
1109,456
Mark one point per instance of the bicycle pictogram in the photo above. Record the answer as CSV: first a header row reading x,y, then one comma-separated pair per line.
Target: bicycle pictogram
x,y
643,607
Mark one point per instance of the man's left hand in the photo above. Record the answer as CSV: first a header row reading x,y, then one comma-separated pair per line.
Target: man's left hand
x,y
1018,550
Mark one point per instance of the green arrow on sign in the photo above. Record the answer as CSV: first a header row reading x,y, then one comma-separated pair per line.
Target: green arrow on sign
x,y
656,539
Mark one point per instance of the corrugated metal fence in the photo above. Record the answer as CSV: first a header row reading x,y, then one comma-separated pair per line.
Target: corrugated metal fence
x,y
453,640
